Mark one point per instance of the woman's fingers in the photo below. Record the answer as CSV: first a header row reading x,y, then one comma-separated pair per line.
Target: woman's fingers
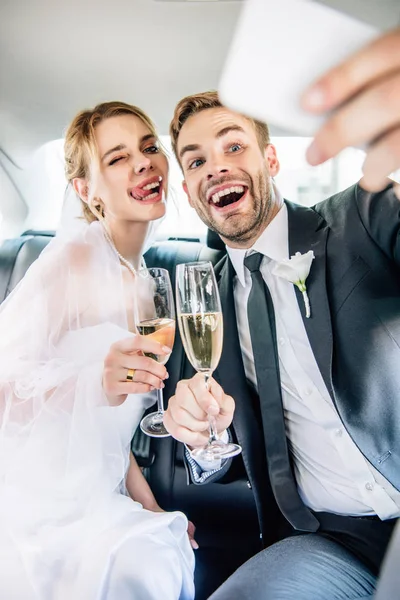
x,y
142,363
126,355
140,343
117,392
115,380
191,531
135,388
116,360
140,377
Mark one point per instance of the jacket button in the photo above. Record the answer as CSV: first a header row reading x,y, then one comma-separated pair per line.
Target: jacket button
x,y
249,485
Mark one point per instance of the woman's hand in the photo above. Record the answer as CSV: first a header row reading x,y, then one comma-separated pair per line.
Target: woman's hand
x,y
364,92
190,530
127,354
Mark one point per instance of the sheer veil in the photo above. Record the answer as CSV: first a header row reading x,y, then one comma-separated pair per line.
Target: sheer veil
x,y
72,222
56,329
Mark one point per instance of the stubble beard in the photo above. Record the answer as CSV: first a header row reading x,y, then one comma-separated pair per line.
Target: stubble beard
x,y
241,228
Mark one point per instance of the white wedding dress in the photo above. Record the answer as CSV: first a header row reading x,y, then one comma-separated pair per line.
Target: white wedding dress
x,y
68,530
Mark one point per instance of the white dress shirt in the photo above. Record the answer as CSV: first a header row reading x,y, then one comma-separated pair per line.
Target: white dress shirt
x,y
331,472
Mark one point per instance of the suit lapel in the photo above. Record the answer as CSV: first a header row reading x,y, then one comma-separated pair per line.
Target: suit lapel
x,y
308,231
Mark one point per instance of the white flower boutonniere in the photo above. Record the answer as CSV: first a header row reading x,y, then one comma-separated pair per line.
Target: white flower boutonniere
x,y
296,270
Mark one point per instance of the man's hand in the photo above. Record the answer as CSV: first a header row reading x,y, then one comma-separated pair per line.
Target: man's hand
x,y
365,93
186,418
128,354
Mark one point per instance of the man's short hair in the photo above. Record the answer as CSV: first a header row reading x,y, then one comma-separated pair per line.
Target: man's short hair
x,y
192,105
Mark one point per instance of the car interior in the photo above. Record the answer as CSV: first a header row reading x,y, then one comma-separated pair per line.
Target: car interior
x,y
57,58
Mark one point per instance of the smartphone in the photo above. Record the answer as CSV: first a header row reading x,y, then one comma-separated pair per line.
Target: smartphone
x,y
279,48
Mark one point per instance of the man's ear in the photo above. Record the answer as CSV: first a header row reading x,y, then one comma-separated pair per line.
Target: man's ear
x,y
185,189
271,159
81,188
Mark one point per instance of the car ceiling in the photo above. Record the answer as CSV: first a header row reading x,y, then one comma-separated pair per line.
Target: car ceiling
x,y
57,57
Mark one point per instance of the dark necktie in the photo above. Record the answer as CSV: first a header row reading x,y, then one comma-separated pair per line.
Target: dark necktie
x,y
260,311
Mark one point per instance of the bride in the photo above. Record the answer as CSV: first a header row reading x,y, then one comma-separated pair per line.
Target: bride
x,y
77,518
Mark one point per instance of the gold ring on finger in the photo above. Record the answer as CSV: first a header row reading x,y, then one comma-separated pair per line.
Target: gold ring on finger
x,y
130,374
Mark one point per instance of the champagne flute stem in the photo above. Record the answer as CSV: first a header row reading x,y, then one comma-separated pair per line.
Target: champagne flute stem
x,y
160,401
213,429
211,419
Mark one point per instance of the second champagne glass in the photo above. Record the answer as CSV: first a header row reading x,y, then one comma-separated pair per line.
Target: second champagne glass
x,y
155,318
201,328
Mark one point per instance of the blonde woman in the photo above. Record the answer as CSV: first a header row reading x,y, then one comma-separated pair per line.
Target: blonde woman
x,y
77,518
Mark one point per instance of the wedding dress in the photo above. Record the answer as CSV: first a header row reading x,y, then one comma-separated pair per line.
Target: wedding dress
x,y
68,529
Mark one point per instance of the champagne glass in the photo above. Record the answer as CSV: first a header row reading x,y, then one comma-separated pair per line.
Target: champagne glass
x,y
201,328
155,318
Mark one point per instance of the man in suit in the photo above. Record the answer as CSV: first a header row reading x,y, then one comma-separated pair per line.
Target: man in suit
x,y
317,399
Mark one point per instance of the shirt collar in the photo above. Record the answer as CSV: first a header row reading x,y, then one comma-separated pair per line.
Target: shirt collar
x,y
273,242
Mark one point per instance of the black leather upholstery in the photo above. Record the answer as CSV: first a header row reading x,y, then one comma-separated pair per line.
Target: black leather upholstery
x,y
16,256
214,241
168,254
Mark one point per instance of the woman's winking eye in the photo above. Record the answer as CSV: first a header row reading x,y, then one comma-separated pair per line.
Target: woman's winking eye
x,y
115,160
151,149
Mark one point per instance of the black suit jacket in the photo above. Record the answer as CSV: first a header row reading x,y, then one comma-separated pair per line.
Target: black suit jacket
x,y
354,330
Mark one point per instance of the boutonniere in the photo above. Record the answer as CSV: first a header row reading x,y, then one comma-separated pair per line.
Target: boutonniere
x,y
296,270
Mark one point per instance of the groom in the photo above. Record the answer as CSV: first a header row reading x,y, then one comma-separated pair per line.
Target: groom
x,y
317,407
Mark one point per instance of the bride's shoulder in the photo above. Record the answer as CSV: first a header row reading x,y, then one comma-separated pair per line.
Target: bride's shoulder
x,y
76,253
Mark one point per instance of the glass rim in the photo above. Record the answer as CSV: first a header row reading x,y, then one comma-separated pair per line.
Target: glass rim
x,y
144,269
199,263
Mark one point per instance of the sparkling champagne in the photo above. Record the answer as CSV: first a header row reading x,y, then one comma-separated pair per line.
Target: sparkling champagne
x,y
160,330
202,335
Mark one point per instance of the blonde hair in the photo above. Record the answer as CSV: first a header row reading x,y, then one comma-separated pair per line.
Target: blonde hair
x,y
192,105
80,145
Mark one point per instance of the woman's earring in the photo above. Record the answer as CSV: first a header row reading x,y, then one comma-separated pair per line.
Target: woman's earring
x,y
97,210
100,211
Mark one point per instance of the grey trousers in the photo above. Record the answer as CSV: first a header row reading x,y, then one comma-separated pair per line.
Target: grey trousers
x,y
304,567
389,580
